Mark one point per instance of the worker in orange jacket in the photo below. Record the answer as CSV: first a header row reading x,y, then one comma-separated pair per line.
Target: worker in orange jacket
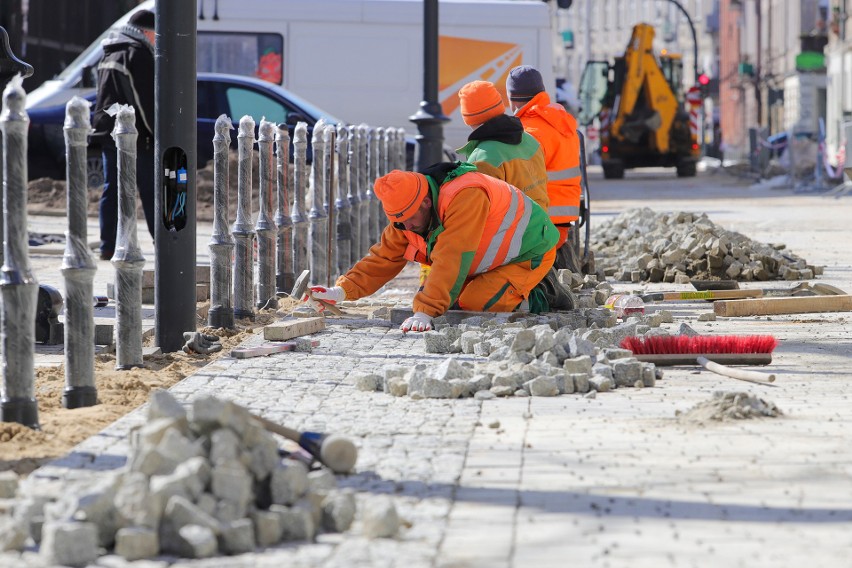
x,y
489,245
556,131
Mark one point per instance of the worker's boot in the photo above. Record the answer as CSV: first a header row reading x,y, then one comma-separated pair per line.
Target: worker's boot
x,y
558,296
567,256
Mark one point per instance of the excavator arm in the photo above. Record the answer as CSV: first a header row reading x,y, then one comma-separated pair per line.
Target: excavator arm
x,y
647,102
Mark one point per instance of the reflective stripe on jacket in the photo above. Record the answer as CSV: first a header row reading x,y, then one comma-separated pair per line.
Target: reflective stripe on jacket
x,y
556,131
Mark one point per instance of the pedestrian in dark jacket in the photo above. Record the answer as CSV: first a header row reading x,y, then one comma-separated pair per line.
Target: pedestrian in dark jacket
x,y
126,76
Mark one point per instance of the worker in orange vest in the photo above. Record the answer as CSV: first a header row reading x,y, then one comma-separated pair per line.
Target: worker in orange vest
x,y
556,131
489,245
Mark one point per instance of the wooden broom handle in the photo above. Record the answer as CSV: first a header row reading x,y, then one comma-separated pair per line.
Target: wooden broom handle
x,y
740,374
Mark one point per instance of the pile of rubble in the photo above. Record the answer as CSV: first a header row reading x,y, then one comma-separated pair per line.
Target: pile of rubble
x,y
726,406
524,355
197,484
642,245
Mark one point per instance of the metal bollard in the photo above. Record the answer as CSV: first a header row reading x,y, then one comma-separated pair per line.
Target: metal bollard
x,y
318,231
284,276
353,194
128,259
242,230
17,284
341,203
78,266
297,214
221,244
265,226
330,135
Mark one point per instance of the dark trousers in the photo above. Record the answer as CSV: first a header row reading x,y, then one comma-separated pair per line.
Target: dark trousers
x,y
108,207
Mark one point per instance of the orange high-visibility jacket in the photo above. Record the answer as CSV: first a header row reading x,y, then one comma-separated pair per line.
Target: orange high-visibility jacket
x,y
482,223
556,131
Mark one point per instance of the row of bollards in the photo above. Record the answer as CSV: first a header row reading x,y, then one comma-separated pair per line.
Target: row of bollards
x,y
324,217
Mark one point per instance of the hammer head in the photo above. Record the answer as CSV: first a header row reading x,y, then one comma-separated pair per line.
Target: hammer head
x,y
301,285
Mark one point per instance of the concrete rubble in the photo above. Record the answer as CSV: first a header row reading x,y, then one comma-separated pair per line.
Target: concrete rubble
x,y
198,483
641,245
525,355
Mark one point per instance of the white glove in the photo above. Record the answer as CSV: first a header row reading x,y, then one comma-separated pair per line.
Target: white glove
x,y
331,295
418,322
327,295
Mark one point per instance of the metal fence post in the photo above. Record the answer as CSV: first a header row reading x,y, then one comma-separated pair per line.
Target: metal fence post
x,y
284,276
265,226
128,259
297,215
243,231
78,266
221,313
372,174
17,284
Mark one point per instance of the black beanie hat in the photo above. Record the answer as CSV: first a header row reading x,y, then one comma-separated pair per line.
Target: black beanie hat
x,y
524,82
143,19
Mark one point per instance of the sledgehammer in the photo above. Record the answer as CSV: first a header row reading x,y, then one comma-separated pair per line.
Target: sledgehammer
x,y
333,451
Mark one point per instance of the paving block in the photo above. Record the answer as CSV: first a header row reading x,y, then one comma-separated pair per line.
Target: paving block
x,y
181,512
8,484
191,541
69,543
289,482
136,543
380,518
284,330
297,523
267,527
233,482
238,537
338,510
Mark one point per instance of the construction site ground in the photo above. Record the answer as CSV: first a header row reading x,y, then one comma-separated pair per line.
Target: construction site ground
x,y
628,478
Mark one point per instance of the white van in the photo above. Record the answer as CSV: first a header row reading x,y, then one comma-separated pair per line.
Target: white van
x,y
361,60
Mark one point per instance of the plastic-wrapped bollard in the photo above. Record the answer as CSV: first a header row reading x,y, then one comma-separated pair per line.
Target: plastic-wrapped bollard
x,y
265,226
318,228
243,230
284,276
78,266
221,313
297,213
18,286
341,202
128,259
354,195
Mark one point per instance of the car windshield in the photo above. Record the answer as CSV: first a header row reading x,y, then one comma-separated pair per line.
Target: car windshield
x,y
312,109
84,58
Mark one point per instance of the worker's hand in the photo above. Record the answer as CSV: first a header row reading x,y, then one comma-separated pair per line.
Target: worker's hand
x,y
418,322
327,295
331,295
203,343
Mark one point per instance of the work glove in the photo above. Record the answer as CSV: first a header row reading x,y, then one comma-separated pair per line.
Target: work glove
x,y
418,322
202,343
328,295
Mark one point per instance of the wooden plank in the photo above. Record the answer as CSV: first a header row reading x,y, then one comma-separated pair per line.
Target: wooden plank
x,y
702,295
284,330
774,306
270,348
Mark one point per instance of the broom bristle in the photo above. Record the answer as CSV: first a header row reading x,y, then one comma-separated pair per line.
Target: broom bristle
x,y
698,344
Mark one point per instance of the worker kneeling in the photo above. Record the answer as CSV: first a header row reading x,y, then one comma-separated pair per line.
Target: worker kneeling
x,y
488,244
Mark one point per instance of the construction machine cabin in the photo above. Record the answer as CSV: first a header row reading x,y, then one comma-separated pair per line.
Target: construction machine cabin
x,y
639,102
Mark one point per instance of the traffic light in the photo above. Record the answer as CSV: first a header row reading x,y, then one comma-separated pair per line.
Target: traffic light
x,y
703,82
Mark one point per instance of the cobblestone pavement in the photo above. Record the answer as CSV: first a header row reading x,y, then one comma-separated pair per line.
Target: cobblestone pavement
x,y
618,480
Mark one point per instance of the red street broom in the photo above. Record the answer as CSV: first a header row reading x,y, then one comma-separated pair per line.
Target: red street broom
x,y
708,351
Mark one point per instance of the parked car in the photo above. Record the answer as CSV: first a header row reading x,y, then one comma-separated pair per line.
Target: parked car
x,y
233,95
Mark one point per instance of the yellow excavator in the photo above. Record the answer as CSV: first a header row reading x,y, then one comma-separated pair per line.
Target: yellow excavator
x,y
638,100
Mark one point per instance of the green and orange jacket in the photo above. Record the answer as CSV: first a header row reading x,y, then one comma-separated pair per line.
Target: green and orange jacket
x,y
500,148
478,224
556,131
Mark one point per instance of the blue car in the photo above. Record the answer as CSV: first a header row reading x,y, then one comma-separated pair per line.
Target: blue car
x,y
232,95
